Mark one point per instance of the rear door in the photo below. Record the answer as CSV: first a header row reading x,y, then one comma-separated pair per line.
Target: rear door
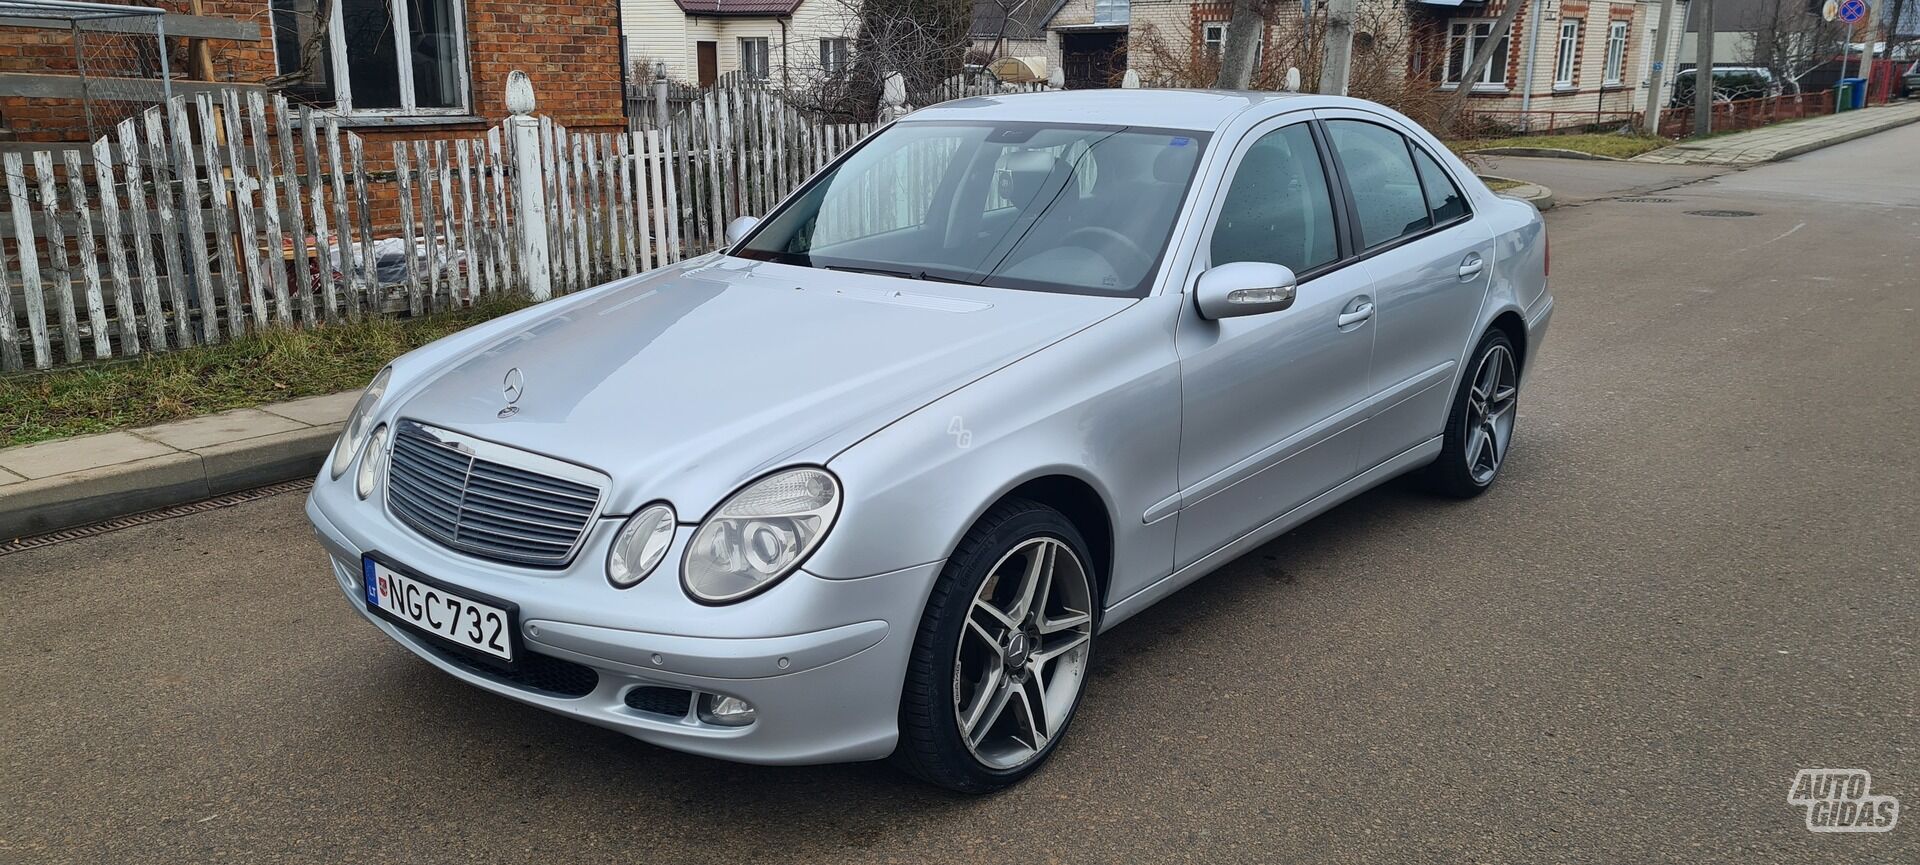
x,y
1431,263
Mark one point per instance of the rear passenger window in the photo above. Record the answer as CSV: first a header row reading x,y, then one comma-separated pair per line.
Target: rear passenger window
x,y
1386,188
1278,208
1443,198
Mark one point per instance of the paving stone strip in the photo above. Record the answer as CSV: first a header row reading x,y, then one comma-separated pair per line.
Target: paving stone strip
x,y
1782,140
54,485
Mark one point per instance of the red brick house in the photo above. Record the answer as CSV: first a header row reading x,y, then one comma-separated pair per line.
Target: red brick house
x,y
388,69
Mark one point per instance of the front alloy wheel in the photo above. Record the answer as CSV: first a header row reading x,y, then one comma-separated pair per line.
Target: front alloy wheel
x,y
1002,653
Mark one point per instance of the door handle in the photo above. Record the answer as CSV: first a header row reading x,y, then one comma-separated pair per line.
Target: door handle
x,y
1359,314
1470,268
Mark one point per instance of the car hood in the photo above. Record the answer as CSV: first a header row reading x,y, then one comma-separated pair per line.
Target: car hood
x,y
683,383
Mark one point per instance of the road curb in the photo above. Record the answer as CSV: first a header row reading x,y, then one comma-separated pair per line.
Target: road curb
x,y
1539,195
1544,152
35,507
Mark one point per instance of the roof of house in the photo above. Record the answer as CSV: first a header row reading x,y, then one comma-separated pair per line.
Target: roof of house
x,y
1021,19
744,8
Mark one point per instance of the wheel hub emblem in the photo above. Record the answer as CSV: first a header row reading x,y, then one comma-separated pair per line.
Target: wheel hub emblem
x,y
1018,648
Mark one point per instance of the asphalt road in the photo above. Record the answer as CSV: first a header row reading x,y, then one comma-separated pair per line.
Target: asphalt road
x,y
1696,577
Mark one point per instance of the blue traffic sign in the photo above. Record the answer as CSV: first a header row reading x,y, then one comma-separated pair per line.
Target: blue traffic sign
x,y
1853,10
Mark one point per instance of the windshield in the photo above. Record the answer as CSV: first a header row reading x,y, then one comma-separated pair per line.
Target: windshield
x,y
1037,206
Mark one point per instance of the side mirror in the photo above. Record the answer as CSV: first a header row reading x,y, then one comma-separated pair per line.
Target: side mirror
x,y
739,227
1244,288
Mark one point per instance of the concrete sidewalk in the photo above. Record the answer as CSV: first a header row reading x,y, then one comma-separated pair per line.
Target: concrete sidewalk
x,y
1781,140
70,482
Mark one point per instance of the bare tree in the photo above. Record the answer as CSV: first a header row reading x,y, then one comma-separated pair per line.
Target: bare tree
x,y
925,41
1790,41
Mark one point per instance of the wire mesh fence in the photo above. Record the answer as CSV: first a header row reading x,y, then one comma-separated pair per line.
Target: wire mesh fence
x,y
102,63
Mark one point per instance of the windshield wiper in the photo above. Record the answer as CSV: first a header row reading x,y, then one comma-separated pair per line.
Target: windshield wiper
x,y
903,274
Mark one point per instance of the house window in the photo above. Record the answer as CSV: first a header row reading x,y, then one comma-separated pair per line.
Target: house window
x,y
1213,35
833,55
1616,52
303,51
1564,62
1465,41
753,57
1213,38
392,56
1112,11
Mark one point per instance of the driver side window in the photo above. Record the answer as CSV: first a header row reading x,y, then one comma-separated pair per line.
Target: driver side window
x,y
1278,208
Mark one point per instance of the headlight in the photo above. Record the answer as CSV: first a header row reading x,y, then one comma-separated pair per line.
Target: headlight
x,y
760,534
371,464
359,423
640,546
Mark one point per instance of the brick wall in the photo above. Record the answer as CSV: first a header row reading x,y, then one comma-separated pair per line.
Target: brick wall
x,y
570,48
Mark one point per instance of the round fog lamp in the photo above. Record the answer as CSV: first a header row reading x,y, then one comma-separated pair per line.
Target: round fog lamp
x,y
725,711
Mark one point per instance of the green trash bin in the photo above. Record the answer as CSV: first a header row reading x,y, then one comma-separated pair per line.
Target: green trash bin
x,y
1843,96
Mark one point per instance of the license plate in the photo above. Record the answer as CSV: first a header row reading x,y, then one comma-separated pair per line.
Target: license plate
x,y
431,607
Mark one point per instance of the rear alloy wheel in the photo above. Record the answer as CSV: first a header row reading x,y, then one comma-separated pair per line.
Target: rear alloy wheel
x,y
1010,631
1480,426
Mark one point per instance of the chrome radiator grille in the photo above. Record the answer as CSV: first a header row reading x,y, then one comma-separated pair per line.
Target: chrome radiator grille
x,y
462,493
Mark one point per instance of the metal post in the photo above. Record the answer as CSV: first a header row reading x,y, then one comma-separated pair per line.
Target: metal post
x,y
531,220
1656,80
1703,63
1533,50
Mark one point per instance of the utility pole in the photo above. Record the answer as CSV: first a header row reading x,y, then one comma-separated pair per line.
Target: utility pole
x,y
1336,63
1703,73
1657,78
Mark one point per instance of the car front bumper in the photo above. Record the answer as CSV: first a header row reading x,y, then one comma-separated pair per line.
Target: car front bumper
x,y
821,661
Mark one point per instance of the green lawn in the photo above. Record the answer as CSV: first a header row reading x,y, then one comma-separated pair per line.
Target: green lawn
x,y
1596,143
271,367
1500,184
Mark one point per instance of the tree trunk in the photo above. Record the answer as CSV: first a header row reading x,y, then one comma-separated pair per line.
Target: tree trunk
x,y
1481,58
1244,32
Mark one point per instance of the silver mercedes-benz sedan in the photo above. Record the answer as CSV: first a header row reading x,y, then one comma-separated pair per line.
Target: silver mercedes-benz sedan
x,y
873,480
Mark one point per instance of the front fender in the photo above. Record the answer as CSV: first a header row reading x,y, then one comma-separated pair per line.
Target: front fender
x,y
1102,406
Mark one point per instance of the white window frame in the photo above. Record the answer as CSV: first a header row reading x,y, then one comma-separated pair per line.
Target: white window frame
x,y
833,54
1616,52
1112,11
402,35
766,57
1213,37
1566,60
1465,30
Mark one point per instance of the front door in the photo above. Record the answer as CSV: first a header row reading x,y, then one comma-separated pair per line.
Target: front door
x,y
707,57
1092,60
1267,401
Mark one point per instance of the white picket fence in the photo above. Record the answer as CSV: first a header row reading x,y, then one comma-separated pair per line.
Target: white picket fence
x,y
199,221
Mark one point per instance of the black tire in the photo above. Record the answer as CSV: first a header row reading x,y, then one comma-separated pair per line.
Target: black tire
x,y
1452,473
930,746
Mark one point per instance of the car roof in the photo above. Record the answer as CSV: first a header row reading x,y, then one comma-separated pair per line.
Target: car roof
x,y
1197,110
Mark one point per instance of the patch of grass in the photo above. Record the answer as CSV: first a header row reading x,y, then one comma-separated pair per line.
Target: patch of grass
x,y
1597,143
1500,184
272,366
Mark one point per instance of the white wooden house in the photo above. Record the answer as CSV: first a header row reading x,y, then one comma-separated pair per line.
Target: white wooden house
x,y
785,42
